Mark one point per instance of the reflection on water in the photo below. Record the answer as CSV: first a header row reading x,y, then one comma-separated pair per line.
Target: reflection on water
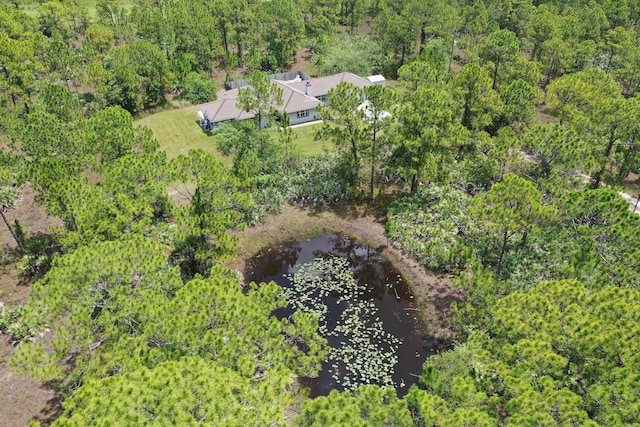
x,y
385,288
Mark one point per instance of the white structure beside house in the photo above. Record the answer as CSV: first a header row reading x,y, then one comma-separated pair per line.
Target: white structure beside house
x,y
378,79
301,99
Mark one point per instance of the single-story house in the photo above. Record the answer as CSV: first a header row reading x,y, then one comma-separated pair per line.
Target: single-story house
x,y
301,99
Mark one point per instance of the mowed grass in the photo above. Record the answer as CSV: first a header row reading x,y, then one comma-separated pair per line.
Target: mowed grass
x,y
178,131
31,7
304,139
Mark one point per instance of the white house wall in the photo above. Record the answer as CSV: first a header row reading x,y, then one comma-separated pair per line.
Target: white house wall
x,y
313,115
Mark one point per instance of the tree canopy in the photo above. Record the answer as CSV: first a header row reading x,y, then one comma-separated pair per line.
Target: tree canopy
x,y
496,158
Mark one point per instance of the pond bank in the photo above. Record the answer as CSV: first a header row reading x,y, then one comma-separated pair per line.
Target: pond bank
x,y
433,294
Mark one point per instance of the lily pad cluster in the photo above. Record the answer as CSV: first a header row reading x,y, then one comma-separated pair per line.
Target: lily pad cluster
x,y
366,353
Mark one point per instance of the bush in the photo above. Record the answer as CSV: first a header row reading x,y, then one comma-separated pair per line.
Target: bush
x,y
347,53
430,226
20,323
198,88
320,180
266,201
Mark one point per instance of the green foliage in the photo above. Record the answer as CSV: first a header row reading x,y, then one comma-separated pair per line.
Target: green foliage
x,y
424,136
214,318
260,98
418,73
100,289
562,334
505,214
367,405
255,154
20,44
346,53
144,348
556,153
198,88
124,308
267,200
185,31
115,86
8,196
100,39
430,226
9,176
66,17
480,169
321,180
188,391
142,177
53,148
558,354
612,125
111,134
91,213
283,26
217,204
20,323
140,73
260,164
58,101
519,102
343,122
478,103
497,50
573,96
482,290
39,252
396,26
378,129
596,240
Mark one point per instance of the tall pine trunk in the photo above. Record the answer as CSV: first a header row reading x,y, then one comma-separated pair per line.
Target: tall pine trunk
x,y
597,179
503,249
13,233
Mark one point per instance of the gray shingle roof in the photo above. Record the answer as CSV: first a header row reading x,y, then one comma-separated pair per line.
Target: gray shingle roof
x,y
322,85
295,100
294,97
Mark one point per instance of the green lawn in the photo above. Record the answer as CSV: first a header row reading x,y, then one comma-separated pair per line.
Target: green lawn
x,y
304,138
177,131
31,7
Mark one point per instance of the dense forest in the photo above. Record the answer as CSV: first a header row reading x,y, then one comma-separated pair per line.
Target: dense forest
x,y
513,126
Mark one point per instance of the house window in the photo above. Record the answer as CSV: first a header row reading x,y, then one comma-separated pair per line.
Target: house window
x,y
322,98
301,114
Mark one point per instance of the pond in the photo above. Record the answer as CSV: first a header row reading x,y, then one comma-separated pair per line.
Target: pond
x,y
383,302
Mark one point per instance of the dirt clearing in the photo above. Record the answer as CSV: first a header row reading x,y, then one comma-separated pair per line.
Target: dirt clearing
x,y
21,399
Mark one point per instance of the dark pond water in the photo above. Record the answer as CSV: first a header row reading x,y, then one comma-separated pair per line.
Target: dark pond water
x,y
385,288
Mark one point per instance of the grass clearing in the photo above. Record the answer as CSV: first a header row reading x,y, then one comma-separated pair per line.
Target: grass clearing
x,y
178,131
304,139
397,87
31,7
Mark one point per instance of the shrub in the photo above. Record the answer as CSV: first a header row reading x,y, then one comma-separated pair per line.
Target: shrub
x,y
430,226
198,88
20,323
320,180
